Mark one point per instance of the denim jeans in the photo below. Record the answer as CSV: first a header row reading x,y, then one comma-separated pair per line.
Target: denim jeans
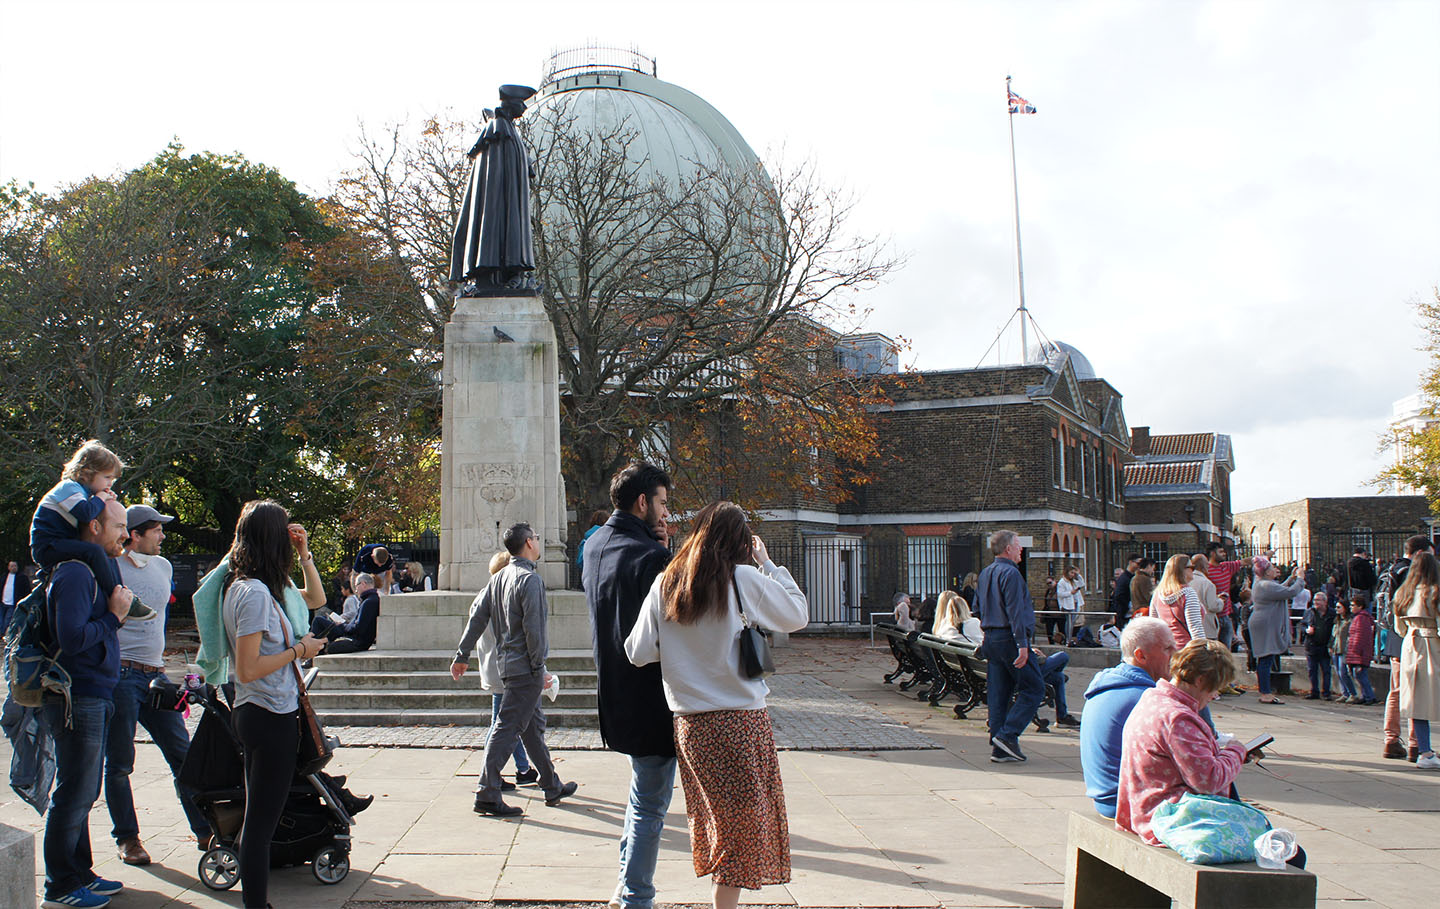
x,y
1263,667
1053,672
167,728
79,757
522,763
1347,684
652,782
1003,681
1422,735
1361,674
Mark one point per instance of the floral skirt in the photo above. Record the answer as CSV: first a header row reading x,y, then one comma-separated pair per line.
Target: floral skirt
x,y
733,797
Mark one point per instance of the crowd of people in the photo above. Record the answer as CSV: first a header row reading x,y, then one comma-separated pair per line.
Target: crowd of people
x,y
107,593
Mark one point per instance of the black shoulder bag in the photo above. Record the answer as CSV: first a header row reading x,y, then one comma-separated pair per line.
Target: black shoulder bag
x,y
755,659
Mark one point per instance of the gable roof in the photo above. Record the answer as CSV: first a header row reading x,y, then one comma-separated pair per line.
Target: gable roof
x,y
1169,473
1193,443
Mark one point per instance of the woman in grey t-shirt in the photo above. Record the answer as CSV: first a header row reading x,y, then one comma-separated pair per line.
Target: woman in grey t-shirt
x,y
263,650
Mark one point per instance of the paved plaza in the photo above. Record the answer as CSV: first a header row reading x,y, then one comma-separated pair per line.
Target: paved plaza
x,y
892,803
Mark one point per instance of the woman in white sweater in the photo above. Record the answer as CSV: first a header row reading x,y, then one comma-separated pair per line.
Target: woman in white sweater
x,y
690,622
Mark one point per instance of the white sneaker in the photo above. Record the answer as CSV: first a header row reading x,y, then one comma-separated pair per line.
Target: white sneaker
x,y
1428,762
615,900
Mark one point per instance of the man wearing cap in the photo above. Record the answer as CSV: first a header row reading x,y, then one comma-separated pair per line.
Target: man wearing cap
x,y
142,658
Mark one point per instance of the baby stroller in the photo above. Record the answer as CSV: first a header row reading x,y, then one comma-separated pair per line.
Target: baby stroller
x,y
314,826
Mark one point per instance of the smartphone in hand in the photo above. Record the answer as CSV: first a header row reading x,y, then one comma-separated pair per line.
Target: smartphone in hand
x,y
1256,744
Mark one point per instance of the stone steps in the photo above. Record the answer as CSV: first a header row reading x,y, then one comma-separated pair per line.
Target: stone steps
x,y
331,680
584,718
414,688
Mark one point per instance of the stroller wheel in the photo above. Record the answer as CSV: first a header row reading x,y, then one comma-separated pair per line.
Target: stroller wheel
x,y
220,868
330,865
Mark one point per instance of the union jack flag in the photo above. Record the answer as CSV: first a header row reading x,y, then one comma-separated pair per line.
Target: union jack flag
x,y
1019,105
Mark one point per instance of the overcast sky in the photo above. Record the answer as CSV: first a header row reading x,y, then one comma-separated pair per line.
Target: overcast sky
x,y
1230,207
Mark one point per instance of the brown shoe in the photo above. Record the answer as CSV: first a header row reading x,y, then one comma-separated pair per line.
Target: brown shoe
x,y
132,853
1394,750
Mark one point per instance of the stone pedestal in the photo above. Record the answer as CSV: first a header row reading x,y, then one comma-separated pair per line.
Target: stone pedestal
x,y
17,868
434,620
500,462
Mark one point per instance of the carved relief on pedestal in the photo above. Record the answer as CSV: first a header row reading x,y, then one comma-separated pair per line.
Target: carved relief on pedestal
x,y
492,487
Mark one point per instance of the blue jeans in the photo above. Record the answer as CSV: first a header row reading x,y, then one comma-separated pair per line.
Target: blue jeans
x,y
522,763
1347,684
1003,682
1422,735
1264,665
167,728
652,782
79,756
1361,674
1053,672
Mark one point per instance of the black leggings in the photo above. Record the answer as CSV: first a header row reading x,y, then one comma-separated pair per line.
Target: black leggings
x,y
270,741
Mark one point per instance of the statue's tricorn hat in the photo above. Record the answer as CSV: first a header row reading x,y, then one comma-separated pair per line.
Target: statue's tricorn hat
x,y
516,92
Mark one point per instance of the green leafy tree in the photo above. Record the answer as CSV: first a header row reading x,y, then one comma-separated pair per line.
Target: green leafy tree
x,y
164,312
1418,463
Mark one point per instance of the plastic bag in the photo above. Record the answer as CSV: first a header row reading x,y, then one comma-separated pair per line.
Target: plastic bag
x,y
1274,848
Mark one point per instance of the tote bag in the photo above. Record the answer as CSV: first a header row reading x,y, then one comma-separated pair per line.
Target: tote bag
x,y
1209,829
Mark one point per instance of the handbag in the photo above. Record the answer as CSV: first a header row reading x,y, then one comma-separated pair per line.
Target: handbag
x,y
315,748
755,659
1209,829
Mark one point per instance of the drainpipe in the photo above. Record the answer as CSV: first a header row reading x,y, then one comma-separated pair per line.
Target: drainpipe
x,y
1190,516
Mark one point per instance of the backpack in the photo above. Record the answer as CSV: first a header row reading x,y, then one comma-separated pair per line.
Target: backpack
x,y
31,656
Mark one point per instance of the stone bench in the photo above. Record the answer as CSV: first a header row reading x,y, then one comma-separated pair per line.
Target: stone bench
x,y
1109,869
17,868
1280,681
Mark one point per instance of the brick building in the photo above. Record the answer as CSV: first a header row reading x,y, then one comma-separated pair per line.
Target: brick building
x,y
1324,531
1177,491
1042,448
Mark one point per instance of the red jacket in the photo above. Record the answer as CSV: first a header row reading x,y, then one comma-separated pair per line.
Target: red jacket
x,y
1360,649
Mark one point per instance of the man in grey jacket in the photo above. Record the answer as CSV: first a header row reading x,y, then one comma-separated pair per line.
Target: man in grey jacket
x,y
513,605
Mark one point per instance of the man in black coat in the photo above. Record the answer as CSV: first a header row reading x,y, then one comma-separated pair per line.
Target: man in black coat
x,y
1362,575
622,560
1120,596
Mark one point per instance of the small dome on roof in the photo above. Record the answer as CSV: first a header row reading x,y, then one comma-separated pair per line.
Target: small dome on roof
x,y
1078,361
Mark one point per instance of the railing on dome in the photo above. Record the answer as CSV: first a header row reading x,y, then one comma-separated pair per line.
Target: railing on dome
x,y
595,57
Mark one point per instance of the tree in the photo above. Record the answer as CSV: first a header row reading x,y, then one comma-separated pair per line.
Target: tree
x,y
1418,463
162,311
695,321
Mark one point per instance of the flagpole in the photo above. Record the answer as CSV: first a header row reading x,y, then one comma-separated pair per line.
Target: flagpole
x,y
1019,260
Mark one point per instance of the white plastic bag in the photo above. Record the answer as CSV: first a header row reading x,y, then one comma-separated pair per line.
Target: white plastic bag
x,y
552,687
1274,848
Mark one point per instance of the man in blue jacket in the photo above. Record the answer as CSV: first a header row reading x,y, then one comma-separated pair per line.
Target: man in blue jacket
x,y
1146,646
622,560
1007,616
83,621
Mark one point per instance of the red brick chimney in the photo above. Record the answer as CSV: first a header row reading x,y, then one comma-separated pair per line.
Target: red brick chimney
x,y
1139,440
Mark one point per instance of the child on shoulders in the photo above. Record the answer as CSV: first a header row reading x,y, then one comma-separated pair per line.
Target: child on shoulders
x,y
80,497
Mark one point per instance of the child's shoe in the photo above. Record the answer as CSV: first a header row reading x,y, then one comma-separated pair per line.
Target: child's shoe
x,y
139,612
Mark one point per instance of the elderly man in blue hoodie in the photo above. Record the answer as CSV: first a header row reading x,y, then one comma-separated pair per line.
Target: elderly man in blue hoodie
x,y
1146,646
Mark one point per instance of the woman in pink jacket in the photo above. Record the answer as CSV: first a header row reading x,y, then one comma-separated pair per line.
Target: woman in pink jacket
x,y
1168,749
1360,650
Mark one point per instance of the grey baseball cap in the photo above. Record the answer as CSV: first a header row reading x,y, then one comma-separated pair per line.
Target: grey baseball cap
x,y
136,515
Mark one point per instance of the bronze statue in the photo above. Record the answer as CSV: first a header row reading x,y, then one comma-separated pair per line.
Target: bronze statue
x,y
493,250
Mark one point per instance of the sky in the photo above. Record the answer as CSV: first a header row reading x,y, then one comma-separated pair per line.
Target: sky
x,y
1230,207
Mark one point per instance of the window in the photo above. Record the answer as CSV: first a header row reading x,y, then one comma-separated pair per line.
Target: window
x,y
1159,552
1362,538
1114,484
1254,540
1057,477
1296,542
925,562
1274,541
1084,469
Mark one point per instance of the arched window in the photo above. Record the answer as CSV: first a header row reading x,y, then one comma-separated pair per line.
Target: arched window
x,y
1297,543
1054,542
1254,540
1274,539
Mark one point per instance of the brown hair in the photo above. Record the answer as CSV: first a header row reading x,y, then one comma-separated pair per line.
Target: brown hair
x,y
696,584
1204,664
262,550
90,459
1424,572
1173,581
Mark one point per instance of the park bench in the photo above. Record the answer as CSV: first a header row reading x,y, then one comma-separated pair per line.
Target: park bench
x,y
908,658
1107,868
961,671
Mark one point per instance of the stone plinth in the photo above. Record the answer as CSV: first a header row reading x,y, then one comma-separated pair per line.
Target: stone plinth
x,y
500,461
17,868
434,620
